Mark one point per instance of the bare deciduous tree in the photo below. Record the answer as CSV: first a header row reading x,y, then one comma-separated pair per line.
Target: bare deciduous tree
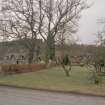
x,y
58,14
27,19
101,33
20,21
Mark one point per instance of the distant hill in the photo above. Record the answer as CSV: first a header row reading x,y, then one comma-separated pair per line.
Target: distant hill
x,y
16,43
15,46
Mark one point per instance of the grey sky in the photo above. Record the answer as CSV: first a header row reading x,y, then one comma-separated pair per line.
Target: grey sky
x,y
88,22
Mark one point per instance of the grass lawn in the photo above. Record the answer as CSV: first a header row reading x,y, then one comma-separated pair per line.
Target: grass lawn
x,y
55,79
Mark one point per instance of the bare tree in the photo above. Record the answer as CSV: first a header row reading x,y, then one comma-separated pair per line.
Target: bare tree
x,y
20,21
58,14
64,58
101,33
27,19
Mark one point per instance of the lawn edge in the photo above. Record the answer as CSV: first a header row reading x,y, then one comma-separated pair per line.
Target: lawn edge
x,y
52,90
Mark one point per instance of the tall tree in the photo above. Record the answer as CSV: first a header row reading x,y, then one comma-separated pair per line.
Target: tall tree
x,y
20,21
27,19
58,14
101,33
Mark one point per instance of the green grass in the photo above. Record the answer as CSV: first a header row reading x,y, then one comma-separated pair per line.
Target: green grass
x,y
55,79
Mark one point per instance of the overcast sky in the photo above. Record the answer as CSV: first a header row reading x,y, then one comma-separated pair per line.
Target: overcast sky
x,y
88,22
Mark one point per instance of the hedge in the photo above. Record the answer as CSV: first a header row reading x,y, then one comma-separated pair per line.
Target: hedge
x,y
21,68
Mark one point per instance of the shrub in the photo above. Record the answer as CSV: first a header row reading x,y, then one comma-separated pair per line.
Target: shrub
x,y
96,77
36,67
21,68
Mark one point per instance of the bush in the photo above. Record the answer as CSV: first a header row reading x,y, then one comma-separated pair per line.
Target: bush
x,y
97,78
37,67
21,68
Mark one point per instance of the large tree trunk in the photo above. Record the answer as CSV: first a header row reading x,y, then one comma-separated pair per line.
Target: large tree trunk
x,y
50,48
31,56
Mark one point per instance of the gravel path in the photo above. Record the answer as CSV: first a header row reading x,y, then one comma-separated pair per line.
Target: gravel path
x,y
13,96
